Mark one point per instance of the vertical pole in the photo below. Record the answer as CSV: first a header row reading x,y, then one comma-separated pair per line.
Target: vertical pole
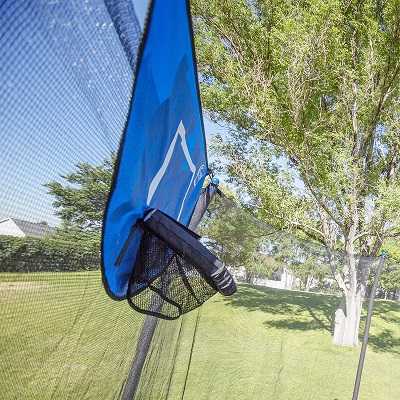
x,y
142,348
150,323
361,360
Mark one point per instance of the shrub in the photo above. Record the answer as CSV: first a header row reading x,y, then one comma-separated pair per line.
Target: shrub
x,y
47,254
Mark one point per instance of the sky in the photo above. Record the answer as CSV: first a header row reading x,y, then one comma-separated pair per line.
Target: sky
x,y
141,9
65,84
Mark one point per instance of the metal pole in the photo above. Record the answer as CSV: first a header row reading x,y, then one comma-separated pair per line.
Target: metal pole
x,y
142,348
150,323
361,360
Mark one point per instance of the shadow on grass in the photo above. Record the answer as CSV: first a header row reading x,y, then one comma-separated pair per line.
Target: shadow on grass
x,y
301,310
388,310
385,341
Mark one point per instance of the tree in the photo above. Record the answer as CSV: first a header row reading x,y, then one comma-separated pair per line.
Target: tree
x,y
390,281
310,93
260,265
390,276
235,235
306,261
81,200
308,267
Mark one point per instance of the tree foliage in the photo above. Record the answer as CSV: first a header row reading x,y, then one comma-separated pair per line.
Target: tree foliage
x,y
314,83
49,254
81,198
307,262
310,91
237,237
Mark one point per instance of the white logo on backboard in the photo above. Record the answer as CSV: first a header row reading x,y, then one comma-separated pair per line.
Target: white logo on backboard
x,y
180,133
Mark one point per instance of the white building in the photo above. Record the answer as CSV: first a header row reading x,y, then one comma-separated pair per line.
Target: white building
x,y
20,228
283,279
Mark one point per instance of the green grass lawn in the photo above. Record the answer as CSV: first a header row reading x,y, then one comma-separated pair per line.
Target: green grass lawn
x,y
276,345
62,338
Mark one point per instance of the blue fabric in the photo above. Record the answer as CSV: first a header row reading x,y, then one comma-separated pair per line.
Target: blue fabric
x,y
162,159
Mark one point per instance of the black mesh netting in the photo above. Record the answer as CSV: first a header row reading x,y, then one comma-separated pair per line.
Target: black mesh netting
x,y
66,74
249,346
176,288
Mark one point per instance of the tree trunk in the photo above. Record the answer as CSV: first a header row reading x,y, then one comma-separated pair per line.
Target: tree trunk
x,y
347,320
249,277
288,279
354,286
309,282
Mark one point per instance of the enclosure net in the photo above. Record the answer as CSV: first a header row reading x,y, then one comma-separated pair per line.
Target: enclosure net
x,y
274,339
66,75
